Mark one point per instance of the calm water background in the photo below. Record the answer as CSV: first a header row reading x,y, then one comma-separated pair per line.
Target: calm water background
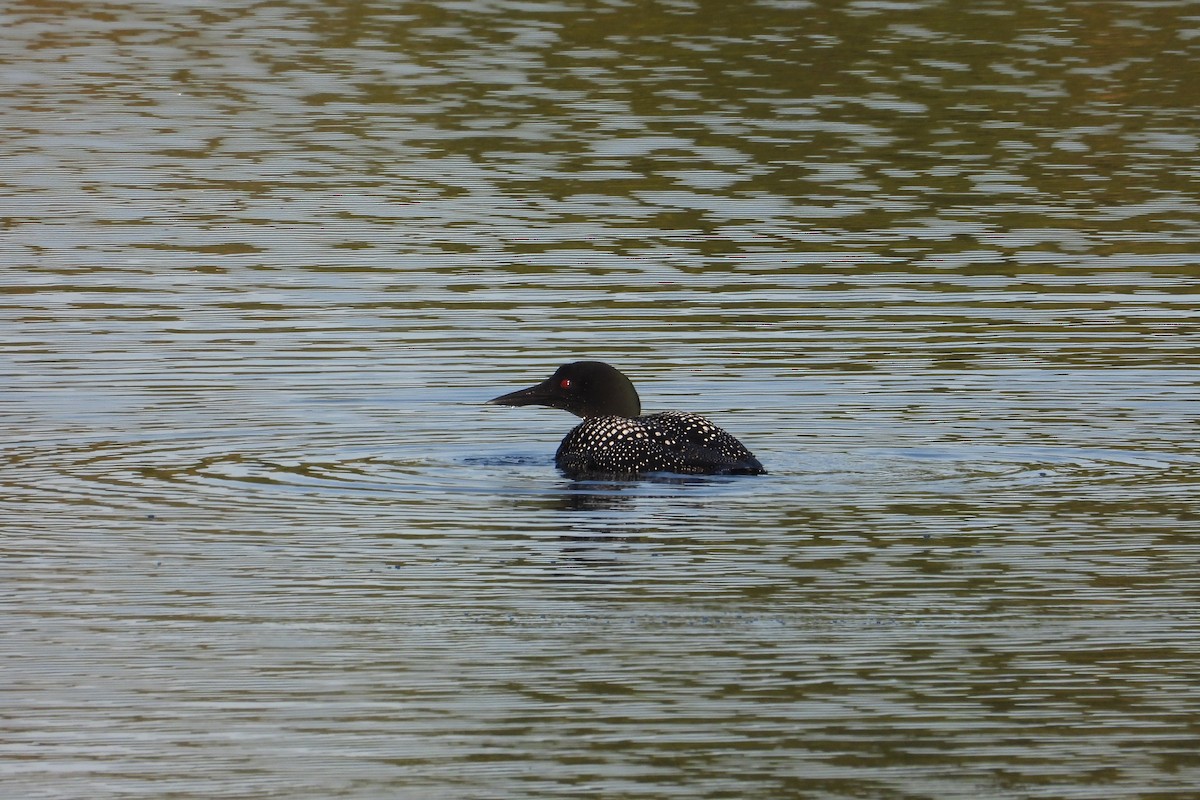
x,y
936,263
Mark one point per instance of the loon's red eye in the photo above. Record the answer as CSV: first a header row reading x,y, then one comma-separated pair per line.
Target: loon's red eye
x,y
565,383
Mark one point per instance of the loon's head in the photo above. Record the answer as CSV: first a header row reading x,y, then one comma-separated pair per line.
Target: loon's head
x,y
585,388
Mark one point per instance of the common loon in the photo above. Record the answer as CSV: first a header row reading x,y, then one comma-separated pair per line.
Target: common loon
x,y
614,439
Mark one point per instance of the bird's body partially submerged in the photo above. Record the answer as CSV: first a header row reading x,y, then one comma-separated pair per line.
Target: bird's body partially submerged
x,y
615,439
669,442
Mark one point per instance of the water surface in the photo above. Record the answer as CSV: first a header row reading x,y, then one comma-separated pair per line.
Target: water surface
x,y
264,262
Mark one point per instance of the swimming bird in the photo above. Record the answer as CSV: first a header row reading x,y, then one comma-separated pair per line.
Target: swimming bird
x,y
615,439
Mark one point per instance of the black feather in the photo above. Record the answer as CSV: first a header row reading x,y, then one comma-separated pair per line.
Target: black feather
x,y
673,441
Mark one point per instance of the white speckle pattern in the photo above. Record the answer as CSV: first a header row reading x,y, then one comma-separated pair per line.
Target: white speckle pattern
x,y
673,441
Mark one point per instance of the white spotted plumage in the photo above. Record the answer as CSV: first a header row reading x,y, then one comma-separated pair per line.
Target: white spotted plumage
x,y
672,441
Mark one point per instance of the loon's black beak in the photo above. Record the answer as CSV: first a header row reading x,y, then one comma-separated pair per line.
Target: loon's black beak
x,y
541,395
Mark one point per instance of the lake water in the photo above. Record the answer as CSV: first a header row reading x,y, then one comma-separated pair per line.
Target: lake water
x,y
937,265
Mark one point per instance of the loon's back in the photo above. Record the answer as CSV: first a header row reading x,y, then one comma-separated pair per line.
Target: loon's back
x,y
673,441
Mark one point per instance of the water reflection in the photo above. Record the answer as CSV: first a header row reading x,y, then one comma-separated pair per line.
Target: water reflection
x,y
265,262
